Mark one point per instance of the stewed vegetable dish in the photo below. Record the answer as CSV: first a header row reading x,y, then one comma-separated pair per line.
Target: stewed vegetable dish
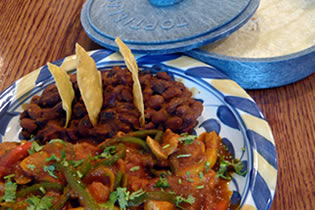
x,y
147,169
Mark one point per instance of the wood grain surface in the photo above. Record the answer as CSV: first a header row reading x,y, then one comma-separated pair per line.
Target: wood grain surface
x,y
33,32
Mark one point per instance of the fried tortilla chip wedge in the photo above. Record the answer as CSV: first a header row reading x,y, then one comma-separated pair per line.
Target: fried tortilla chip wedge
x,y
133,68
90,84
64,87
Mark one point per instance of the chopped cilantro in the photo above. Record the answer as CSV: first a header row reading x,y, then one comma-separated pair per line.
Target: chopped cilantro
x,y
187,173
200,187
8,177
76,163
65,163
190,179
183,155
122,197
35,148
31,166
187,139
238,167
207,166
42,190
163,183
166,146
111,202
108,152
136,194
53,157
50,170
224,165
57,141
36,203
135,168
179,199
201,175
243,149
80,175
63,154
9,190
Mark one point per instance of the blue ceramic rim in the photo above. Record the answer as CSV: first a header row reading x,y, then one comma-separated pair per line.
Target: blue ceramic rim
x,y
90,3
166,49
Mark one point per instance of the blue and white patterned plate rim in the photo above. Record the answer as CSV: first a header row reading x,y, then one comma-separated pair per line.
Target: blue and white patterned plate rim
x,y
236,105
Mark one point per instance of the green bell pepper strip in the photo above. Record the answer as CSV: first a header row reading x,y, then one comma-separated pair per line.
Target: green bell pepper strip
x,y
62,199
126,139
118,179
75,184
120,154
143,133
154,195
158,136
36,187
85,167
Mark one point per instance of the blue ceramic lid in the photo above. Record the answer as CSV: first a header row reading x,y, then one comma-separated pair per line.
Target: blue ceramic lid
x,y
151,26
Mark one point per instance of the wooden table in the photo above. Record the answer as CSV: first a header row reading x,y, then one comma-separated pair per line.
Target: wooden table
x,y
33,32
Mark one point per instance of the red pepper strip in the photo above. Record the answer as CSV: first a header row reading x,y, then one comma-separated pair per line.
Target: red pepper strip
x,y
13,156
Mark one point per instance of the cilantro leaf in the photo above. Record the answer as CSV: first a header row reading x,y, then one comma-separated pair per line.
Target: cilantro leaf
x,y
50,170
179,199
187,139
111,202
76,163
35,148
122,197
36,203
207,166
9,191
237,165
57,140
163,183
135,168
31,166
108,152
53,157
136,194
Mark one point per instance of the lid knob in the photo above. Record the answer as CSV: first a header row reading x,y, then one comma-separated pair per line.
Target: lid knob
x,y
163,3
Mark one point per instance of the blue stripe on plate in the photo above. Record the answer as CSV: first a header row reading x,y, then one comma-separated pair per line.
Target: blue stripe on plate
x,y
235,198
264,147
211,125
260,191
43,75
154,59
243,104
229,146
101,54
227,117
6,117
205,72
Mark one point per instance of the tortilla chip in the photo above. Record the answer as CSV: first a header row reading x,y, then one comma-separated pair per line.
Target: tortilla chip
x,y
65,89
90,84
133,68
